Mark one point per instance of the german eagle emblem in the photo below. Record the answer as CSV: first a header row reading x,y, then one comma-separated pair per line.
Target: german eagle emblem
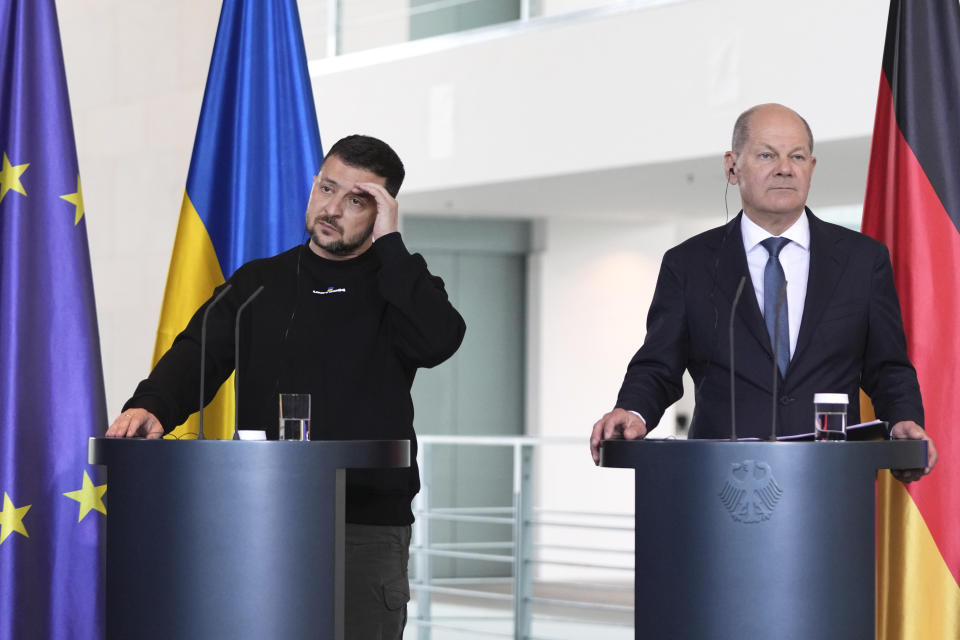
x,y
750,492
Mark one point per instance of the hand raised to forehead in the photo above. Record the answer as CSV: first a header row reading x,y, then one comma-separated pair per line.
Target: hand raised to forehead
x,y
387,220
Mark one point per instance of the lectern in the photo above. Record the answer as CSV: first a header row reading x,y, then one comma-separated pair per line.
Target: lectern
x,y
229,539
756,539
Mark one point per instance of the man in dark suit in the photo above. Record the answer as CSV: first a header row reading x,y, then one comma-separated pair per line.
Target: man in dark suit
x,y
818,299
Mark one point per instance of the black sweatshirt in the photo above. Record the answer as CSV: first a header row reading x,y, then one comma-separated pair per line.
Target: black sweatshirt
x,y
351,333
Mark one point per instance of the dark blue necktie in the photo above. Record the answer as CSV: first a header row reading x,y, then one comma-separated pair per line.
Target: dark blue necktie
x,y
774,281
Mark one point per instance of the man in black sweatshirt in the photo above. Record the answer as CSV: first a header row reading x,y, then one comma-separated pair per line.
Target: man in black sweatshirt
x,y
348,317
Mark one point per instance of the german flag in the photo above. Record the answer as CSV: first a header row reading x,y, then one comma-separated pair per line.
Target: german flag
x,y
913,206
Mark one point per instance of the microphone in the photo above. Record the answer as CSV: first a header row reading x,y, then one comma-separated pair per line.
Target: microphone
x,y
236,363
203,349
781,298
733,401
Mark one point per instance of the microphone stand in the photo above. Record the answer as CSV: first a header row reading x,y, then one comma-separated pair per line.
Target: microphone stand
x,y
733,397
203,350
236,364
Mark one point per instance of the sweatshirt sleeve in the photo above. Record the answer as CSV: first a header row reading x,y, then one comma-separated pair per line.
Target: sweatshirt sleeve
x,y
428,329
172,390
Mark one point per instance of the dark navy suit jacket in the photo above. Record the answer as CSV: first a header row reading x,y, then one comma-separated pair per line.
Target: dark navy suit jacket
x,y
851,336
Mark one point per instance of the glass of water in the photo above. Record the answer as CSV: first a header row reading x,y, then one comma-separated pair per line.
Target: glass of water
x,y
830,416
294,416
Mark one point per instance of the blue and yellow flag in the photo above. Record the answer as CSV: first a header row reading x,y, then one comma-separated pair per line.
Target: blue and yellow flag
x,y
254,158
51,383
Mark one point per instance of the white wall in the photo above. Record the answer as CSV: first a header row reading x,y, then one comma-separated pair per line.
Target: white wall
x,y
591,282
135,73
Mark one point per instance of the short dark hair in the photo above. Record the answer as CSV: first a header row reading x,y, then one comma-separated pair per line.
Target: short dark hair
x,y
372,154
741,129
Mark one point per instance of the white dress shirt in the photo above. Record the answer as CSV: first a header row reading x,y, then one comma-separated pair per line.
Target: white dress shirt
x,y
795,259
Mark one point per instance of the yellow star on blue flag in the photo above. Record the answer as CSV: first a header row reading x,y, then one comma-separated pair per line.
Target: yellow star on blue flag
x,y
89,496
10,177
11,519
76,199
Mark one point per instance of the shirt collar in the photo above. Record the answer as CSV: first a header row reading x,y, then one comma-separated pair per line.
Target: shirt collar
x,y
753,234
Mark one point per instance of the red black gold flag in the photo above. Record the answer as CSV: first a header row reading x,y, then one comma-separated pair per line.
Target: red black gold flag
x,y
913,206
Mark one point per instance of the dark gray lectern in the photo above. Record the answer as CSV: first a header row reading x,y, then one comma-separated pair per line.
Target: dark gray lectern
x,y
229,539
756,539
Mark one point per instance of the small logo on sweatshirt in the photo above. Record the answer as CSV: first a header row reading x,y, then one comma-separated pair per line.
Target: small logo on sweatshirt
x,y
330,290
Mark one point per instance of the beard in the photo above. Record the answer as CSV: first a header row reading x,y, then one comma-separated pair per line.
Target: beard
x,y
342,246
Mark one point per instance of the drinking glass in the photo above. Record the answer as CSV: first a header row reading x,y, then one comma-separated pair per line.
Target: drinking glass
x,y
294,416
830,416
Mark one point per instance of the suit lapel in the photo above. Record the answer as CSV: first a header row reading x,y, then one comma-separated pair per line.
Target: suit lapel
x,y
732,265
827,261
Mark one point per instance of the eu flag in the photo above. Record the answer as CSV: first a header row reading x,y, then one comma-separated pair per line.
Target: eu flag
x,y
254,157
51,383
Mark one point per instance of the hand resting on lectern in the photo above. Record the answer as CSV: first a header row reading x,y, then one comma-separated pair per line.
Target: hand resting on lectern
x,y
618,423
909,430
135,423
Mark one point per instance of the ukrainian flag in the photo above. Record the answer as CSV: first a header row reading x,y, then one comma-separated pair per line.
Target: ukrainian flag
x,y
254,157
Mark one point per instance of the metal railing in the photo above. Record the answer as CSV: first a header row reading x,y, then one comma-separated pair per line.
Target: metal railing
x,y
511,600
